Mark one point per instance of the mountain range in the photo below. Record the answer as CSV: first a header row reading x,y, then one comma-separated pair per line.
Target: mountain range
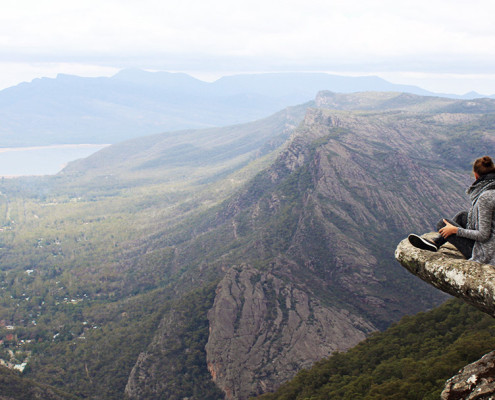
x,y
134,103
217,263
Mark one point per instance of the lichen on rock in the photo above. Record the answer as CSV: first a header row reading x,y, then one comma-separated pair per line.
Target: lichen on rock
x,y
450,272
474,381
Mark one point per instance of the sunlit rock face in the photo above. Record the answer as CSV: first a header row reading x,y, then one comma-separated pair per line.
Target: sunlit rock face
x,y
471,281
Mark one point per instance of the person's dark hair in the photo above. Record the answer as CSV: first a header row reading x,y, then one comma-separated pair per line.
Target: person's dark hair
x,y
483,165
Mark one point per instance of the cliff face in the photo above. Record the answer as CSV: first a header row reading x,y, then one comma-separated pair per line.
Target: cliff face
x,y
264,329
473,282
174,366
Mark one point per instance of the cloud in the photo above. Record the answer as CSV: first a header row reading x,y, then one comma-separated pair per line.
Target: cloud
x,y
354,35
290,28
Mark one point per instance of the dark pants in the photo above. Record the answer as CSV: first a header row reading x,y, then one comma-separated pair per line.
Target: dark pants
x,y
464,245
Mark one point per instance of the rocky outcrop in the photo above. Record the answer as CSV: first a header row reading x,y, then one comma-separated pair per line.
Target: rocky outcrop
x,y
474,283
264,329
448,271
476,381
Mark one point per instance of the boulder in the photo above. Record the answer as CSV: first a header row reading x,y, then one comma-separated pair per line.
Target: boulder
x,y
475,381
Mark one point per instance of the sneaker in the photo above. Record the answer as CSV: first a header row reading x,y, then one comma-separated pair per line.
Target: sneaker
x,y
422,243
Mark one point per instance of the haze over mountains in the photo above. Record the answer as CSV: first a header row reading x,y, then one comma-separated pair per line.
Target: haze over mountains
x,y
134,103
218,262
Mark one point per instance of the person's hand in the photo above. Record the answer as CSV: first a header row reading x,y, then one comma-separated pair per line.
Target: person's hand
x,y
448,229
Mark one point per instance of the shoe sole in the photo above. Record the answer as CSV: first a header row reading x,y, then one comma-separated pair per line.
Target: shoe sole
x,y
421,243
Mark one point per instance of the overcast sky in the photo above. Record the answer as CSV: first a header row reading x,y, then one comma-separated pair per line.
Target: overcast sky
x,y
440,45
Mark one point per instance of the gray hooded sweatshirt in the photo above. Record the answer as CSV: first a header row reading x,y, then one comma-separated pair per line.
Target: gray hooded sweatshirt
x,y
481,219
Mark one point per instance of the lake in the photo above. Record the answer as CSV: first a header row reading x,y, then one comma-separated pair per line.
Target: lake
x,y
42,160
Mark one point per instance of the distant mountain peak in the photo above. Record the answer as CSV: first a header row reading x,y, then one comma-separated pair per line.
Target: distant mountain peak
x,y
473,95
134,103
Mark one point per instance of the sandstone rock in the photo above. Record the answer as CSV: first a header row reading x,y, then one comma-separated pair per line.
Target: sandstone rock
x,y
447,270
476,381
264,329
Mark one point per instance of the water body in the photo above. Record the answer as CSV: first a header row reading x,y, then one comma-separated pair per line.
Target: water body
x,y
42,160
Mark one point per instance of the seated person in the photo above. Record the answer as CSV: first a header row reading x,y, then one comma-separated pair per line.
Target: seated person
x,y
471,232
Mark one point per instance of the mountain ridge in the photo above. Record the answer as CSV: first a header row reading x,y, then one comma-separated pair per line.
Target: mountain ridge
x,y
70,109
329,157
299,237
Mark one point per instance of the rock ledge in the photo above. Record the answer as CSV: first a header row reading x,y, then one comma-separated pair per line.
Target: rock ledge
x,y
473,282
448,271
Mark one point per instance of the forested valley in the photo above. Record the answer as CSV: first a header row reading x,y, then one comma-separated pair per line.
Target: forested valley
x,y
163,267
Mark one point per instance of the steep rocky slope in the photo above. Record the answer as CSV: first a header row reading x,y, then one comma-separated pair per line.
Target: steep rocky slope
x,y
306,246
269,327
410,360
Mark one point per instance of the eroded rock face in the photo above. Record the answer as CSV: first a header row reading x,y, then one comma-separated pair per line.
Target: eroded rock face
x,y
448,271
476,381
264,329
471,281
